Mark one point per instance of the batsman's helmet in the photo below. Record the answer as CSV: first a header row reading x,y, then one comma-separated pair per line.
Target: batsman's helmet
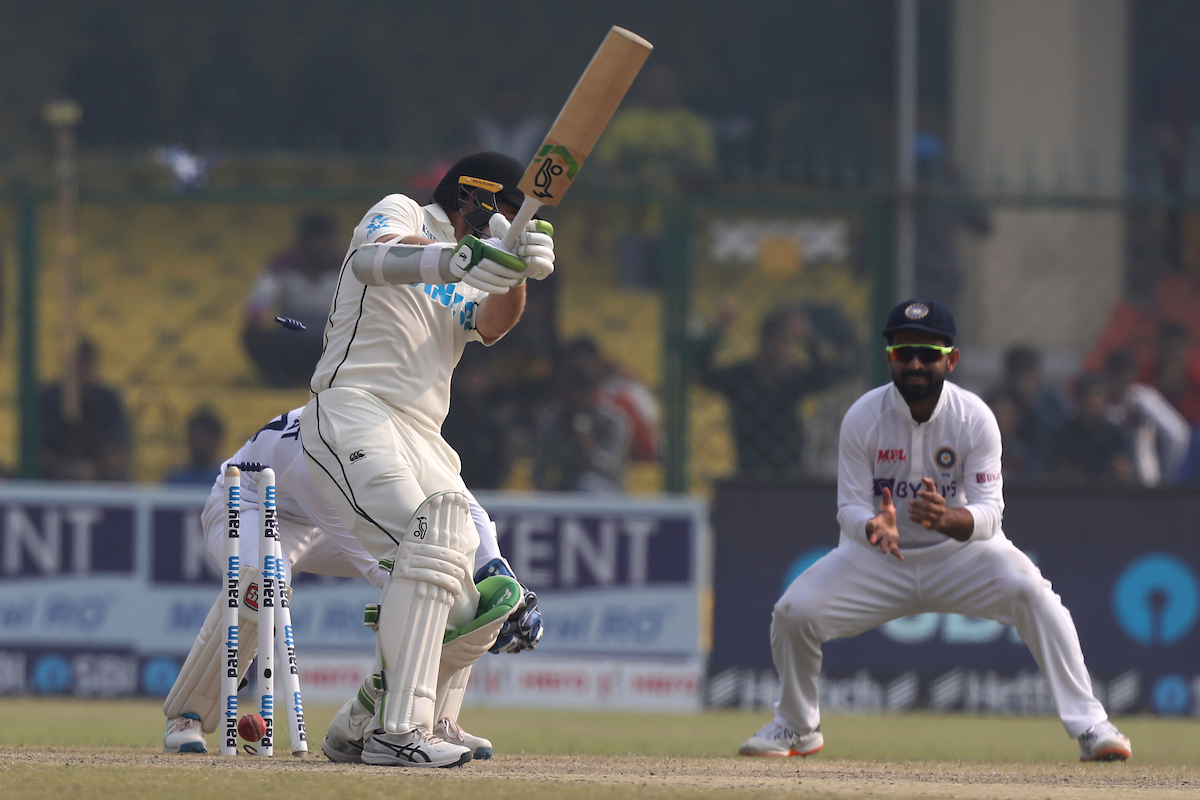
x,y
477,184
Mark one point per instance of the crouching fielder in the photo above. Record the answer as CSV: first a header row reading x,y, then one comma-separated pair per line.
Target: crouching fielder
x,y
408,301
312,539
936,446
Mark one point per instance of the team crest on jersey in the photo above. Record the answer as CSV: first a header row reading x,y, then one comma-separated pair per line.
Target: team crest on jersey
x,y
946,458
916,311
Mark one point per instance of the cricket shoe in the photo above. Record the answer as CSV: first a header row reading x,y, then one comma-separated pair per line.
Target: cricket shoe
x,y
183,735
777,741
446,728
417,748
1103,742
342,751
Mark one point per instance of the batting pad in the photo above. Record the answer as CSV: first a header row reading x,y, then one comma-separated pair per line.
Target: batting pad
x,y
198,687
430,570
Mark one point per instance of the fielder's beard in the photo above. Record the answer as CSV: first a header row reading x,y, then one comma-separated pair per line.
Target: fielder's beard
x,y
915,393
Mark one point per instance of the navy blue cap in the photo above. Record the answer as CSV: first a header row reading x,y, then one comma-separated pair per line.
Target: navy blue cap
x,y
921,315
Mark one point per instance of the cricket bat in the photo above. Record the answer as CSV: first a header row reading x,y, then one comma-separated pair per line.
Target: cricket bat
x,y
583,118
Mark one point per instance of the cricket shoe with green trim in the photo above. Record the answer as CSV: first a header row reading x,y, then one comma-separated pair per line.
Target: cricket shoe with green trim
x,y
1103,742
779,741
183,735
417,748
448,729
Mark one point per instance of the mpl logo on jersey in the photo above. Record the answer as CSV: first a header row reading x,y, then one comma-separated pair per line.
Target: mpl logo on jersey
x,y
891,457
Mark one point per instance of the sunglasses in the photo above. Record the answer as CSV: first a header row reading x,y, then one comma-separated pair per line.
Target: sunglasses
x,y
925,353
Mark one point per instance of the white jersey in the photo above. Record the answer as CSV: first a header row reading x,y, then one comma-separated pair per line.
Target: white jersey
x,y
958,447
298,499
400,343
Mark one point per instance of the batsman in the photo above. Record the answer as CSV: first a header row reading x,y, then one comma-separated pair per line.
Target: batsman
x,y
418,283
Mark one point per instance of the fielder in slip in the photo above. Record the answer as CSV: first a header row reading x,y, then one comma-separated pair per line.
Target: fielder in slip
x,y
936,446
313,540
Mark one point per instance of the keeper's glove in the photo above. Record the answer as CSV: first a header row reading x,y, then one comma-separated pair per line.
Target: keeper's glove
x,y
523,628
486,265
535,245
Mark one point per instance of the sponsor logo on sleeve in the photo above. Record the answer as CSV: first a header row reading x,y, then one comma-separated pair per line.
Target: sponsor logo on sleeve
x,y
377,223
987,477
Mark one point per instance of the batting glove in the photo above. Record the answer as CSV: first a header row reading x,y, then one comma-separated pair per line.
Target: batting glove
x,y
486,265
535,245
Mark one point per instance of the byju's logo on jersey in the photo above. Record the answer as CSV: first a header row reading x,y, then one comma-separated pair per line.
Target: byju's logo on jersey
x,y
891,457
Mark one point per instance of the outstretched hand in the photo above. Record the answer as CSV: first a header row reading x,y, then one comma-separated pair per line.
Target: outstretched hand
x,y
929,507
881,529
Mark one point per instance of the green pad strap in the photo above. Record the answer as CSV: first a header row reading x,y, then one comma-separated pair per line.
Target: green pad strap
x,y
498,596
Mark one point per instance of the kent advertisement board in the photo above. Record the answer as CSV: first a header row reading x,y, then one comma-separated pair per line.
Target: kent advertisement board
x,y
1123,559
103,589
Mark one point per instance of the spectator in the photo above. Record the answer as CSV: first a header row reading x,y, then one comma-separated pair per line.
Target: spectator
x,y
938,221
1089,445
94,447
298,283
1176,371
1036,411
625,393
1158,434
204,432
764,392
477,426
580,445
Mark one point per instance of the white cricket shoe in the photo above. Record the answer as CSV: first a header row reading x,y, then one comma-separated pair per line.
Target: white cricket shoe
x,y
446,728
1103,742
417,748
341,751
183,735
779,741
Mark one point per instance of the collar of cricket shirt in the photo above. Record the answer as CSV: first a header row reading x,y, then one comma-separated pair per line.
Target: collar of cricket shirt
x,y
445,229
906,414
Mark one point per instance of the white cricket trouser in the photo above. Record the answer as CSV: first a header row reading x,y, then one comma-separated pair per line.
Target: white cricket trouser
x,y
854,589
305,547
375,467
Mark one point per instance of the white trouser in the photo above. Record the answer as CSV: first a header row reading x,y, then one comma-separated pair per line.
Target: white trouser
x,y
854,589
306,548
375,466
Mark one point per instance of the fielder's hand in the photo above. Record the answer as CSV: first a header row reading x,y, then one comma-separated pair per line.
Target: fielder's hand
x,y
881,530
486,265
535,245
929,509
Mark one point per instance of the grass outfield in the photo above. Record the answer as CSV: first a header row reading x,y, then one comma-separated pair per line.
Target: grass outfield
x,y
71,748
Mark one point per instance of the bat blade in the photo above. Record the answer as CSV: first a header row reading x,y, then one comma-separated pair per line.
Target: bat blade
x,y
585,115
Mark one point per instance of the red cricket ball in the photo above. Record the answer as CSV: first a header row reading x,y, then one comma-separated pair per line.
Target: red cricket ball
x,y
252,728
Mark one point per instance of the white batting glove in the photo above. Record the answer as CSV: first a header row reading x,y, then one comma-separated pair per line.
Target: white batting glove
x,y
486,265
535,245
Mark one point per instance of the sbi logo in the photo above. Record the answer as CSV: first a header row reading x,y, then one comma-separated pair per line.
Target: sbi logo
x,y
1156,599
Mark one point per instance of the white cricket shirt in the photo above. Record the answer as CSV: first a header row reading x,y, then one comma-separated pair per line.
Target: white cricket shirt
x,y
400,343
881,445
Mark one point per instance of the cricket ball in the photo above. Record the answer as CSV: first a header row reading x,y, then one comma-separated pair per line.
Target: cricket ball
x,y
252,728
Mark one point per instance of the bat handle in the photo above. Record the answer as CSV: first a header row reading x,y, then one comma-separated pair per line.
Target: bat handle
x,y
529,207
